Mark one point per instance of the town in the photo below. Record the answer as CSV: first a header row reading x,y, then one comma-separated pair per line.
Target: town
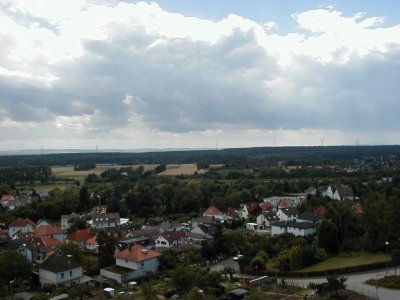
x,y
139,232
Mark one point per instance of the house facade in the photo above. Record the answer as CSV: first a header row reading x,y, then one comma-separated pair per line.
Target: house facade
x,y
20,225
59,269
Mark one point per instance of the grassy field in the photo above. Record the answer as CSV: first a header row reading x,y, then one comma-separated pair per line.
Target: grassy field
x,y
348,260
185,169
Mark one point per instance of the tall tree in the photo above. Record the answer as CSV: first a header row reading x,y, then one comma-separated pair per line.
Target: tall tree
x,y
107,242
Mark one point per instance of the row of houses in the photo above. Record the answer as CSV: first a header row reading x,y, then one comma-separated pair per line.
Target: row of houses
x,y
334,192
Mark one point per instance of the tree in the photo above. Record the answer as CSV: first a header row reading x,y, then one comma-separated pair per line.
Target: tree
x,y
337,283
107,242
295,256
328,236
72,249
84,199
13,266
395,255
148,291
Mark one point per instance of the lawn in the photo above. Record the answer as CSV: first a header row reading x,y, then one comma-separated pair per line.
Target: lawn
x,y
185,169
348,260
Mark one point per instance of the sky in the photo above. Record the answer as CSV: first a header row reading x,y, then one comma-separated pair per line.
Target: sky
x,y
114,74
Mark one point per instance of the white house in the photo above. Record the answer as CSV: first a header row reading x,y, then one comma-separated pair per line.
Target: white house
x,y
267,218
287,214
293,227
59,269
67,219
20,225
105,220
330,191
131,263
343,193
171,238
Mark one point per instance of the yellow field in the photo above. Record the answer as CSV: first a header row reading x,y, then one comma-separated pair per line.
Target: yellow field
x,y
185,169
68,171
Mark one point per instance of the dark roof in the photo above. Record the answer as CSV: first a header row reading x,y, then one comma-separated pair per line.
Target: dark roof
x,y
59,263
271,216
300,225
289,211
345,191
310,216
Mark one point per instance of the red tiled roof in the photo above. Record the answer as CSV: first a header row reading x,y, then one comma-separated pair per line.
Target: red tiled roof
x,y
285,203
266,206
320,210
137,253
358,209
7,198
174,235
81,235
92,240
51,241
22,222
232,212
252,206
47,230
212,211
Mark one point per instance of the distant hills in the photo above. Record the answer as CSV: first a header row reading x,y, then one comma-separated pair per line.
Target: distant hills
x,y
307,155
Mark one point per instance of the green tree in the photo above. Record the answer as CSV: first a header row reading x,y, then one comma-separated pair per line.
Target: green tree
x,y
295,256
72,249
328,236
107,242
336,283
13,266
148,291
395,255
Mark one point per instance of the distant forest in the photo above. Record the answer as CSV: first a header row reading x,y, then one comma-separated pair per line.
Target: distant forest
x,y
304,155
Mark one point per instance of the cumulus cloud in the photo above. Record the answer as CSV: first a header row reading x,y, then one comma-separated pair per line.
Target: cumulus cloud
x,y
86,69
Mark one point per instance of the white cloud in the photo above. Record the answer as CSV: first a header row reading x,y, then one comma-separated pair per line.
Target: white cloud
x,y
83,71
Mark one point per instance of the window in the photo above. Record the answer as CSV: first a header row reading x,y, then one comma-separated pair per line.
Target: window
x,y
142,265
62,275
70,273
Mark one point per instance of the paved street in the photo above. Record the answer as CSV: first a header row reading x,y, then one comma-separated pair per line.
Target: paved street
x,y
355,282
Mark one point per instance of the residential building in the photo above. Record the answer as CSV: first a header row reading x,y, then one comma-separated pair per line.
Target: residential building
x,y
131,263
66,220
105,220
59,269
20,225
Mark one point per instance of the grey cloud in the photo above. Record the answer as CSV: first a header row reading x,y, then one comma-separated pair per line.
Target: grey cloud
x,y
182,85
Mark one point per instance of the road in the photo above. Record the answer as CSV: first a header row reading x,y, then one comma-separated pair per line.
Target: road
x,y
355,282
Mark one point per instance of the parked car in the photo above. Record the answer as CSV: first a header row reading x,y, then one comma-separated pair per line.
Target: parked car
x,y
237,257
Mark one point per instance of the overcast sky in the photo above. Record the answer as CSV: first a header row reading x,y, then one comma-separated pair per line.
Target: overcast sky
x,y
198,74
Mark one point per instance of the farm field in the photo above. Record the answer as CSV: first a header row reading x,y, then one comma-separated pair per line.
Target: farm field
x,y
69,172
185,169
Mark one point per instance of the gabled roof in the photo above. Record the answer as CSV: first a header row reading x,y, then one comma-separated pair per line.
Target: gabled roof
x,y
47,230
100,218
271,216
137,253
310,216
81,235
266,206
345,191
49,241
92,240
169,225
289,211
171,236
22,222
59,263
287,202
212,211
232,212
24,236
70,216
